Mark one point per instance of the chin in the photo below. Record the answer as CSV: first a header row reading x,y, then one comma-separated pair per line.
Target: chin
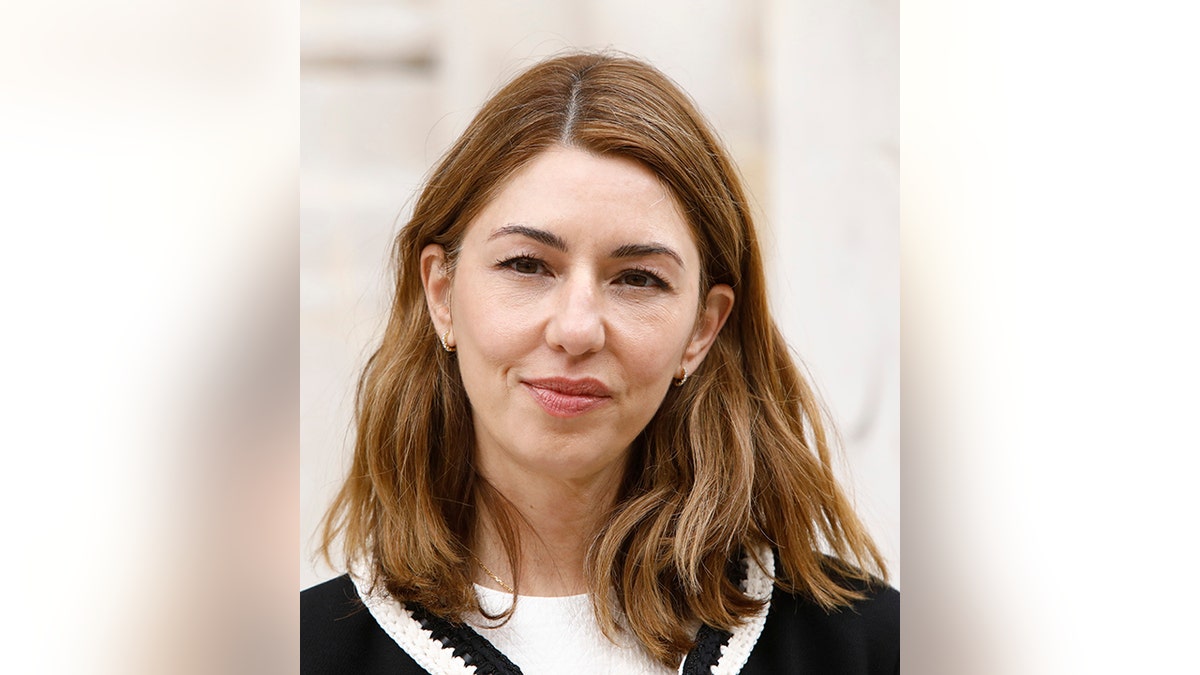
x,y
572,461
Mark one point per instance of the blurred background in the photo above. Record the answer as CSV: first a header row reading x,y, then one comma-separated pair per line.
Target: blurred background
x,y
804,94
149,260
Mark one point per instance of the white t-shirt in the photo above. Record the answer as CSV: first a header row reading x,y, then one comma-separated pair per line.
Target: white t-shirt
x,y
555,635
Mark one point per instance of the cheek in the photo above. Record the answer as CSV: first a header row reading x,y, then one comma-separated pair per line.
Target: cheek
x,y
491,322
652,341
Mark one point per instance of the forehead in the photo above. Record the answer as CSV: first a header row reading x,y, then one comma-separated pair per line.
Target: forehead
x,y
587,198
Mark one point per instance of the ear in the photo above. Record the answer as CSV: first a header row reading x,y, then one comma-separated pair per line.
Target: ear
x,y
435,277
717,306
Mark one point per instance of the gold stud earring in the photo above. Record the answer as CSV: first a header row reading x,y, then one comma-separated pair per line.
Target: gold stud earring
x,y
444,337
679,382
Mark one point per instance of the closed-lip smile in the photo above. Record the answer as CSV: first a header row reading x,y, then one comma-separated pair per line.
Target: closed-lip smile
x,y
567,397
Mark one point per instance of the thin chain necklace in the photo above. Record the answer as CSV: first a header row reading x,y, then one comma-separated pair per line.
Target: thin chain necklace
x,y
494,577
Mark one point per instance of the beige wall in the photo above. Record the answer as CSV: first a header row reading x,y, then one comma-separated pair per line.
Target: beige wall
x,y
804,93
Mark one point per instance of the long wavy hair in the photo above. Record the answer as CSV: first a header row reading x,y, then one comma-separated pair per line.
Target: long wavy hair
x,y
737,459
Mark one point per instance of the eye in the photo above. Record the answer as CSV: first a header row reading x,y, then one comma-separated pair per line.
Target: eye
x,y
642,279
523,265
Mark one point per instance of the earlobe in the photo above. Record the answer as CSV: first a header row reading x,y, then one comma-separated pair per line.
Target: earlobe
x,y
436,280
717,307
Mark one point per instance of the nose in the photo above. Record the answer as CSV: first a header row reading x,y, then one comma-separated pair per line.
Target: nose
x,y
576,325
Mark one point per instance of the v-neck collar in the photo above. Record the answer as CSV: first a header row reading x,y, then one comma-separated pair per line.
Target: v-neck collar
x,y
445,648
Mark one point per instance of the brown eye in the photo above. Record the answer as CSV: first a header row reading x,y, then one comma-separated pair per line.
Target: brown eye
x,y
640,279
524,265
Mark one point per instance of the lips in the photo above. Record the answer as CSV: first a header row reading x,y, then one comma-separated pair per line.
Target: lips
x,y
567,397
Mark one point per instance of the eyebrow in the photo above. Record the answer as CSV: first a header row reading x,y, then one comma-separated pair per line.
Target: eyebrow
x,y
642,250
541,236
554,241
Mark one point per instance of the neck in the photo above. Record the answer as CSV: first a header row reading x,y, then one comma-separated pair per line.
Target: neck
x,y
555,521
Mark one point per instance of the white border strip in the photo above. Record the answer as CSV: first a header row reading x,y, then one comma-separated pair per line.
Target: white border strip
x,y
429,653
759,584
398,622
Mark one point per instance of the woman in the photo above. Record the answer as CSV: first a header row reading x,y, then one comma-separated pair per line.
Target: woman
x,y
582,443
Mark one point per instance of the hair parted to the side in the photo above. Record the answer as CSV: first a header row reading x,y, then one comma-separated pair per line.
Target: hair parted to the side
x,y
737,458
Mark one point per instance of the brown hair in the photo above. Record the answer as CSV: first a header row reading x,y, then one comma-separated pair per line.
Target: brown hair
x,y
737,459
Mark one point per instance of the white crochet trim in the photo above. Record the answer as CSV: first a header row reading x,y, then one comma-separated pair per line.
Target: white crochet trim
x,y
759,584
429,653
398,622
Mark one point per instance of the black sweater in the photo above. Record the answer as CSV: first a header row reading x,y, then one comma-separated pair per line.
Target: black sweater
x,y
339,635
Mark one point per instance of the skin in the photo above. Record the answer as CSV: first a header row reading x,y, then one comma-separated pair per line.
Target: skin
x,y
581,270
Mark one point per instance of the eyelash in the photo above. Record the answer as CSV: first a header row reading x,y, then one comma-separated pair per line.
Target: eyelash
x,y
509,263
655,281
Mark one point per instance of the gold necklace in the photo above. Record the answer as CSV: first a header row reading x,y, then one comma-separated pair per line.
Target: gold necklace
x,y
494,577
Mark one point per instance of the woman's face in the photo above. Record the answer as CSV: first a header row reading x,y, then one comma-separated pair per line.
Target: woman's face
x,y
573,304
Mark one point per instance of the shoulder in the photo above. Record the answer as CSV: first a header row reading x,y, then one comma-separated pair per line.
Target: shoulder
x,y
339,635
801,636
